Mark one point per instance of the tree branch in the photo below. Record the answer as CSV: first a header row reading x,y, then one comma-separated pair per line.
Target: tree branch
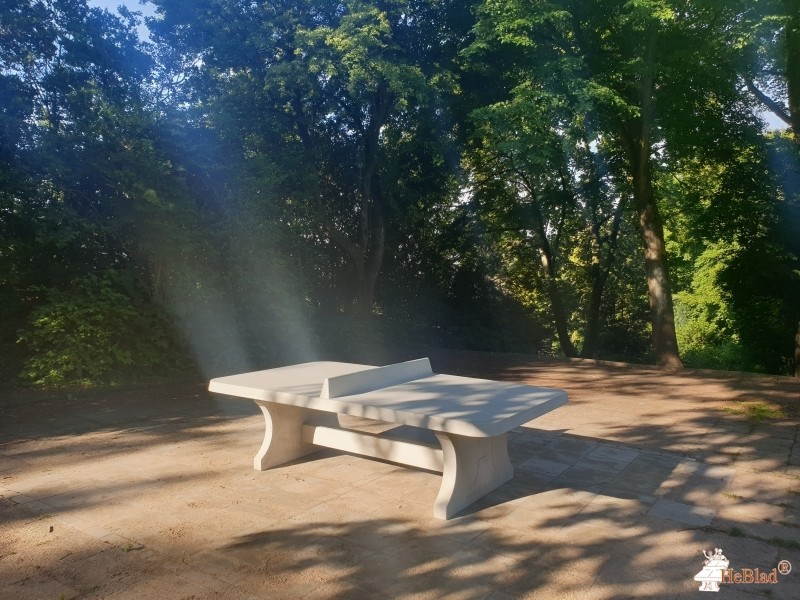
x,y
337,237
772,105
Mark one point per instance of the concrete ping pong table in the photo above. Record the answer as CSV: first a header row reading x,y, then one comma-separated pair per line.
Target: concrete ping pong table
x,y
470,417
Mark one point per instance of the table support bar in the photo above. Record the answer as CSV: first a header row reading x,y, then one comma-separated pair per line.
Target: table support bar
x,y
365,444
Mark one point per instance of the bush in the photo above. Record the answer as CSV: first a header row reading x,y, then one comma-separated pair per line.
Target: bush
x,y
92,333
705,330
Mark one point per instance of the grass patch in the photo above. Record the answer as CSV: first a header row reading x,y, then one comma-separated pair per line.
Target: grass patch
x,y
784,543
758,412
736,532
783,523
732,496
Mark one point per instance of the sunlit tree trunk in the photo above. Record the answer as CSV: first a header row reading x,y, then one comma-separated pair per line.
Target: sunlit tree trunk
x,y
549,271
556,302
637,135
662,313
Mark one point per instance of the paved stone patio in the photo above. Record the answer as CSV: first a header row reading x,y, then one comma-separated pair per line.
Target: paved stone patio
x,y
150,493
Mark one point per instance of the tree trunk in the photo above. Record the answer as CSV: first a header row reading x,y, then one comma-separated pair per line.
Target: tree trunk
x,y
366,253
665,342
556,303
591,332
550,272
797,351
370,266
599,275
636,134
372,235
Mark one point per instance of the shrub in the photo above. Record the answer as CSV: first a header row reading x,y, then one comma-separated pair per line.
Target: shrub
x,y
92,333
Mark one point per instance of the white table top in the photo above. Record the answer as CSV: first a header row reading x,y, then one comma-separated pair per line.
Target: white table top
x,y
459,405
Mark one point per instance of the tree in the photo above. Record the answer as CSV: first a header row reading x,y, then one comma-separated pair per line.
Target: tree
x,y
85,178
326,82
770,64
770,67
540,183
626,67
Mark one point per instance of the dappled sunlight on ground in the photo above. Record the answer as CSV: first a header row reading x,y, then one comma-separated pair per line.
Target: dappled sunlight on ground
x,y
150,493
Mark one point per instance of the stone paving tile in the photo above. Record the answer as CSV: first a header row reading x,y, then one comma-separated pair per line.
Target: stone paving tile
x,y
766,521
515,531
7,493
11,466
681,513
523,543
622,510
218,567
500,596
36,587
469,573
588,473
524,485
679,476
33,505
558,575
615,496
768,445
44,545
601,432
565,450
46,484
750,553
348,470
704,486
718,458
156,586
543,466
631,576
645,474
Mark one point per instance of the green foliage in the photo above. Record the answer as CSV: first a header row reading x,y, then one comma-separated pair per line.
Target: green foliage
x,y
703,315
763,284
91,333
286,181
735,316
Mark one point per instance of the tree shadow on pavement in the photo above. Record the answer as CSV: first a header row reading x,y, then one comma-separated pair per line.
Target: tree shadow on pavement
x,y
153,495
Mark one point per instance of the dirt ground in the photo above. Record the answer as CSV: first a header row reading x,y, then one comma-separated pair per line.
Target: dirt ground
x,y
149,492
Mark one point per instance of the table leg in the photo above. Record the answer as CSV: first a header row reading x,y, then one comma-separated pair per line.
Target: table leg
x,y
473,467
283,433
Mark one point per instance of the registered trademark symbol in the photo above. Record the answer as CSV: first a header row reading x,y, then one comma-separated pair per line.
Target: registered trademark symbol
x,y
784,567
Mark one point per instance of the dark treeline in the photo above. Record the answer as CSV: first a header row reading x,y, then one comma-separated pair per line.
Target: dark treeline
x,y
260,183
